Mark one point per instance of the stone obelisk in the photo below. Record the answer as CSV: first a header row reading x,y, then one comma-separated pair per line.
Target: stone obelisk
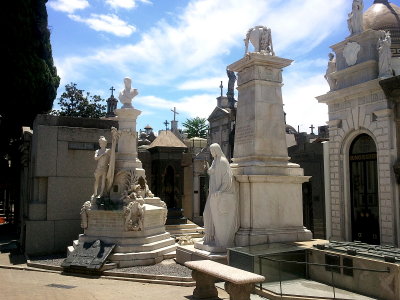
x,y
270,187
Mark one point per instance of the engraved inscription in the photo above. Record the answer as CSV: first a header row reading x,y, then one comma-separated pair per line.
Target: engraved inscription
x,y
244,134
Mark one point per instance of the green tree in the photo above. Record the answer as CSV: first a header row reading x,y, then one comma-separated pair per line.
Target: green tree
x,y
29,75
75,103
196,127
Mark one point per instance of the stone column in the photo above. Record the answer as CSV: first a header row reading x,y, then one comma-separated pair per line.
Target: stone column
x,y
126,157
270,188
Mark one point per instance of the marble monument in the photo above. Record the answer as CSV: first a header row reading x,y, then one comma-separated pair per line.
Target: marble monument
x,y
270,188
122,210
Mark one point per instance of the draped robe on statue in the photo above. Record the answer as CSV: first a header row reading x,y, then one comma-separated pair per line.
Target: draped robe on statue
x,y
221,217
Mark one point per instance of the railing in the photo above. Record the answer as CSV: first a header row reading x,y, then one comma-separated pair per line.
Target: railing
x,y
305,270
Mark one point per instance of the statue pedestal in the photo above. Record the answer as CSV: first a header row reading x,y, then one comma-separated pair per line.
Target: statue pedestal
x,y
270,188
149,245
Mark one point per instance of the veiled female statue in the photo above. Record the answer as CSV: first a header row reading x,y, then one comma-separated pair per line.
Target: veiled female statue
x,y
221,216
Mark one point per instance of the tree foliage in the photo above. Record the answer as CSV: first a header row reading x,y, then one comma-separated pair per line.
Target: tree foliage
x,y
76,103
196,127
30,78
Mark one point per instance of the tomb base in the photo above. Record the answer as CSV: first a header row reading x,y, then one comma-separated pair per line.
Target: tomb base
x,y
271,209
145,246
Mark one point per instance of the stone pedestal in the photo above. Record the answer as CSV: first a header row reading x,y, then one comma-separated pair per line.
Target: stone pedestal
x,y
270,188
147,246
127,145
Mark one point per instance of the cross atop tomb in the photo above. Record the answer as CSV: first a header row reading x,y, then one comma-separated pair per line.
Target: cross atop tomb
x,y
175,112
112,91
221,87
312,128
166,125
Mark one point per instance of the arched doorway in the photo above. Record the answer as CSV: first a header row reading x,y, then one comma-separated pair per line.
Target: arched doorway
x,y
364,190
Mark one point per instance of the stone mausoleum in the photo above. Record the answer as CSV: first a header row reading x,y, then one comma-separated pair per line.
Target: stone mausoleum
x,y
363,199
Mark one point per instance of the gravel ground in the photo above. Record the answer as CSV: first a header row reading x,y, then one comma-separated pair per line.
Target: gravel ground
x,y
167,267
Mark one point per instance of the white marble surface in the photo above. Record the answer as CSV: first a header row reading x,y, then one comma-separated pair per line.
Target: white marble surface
x,y
221,218
270,188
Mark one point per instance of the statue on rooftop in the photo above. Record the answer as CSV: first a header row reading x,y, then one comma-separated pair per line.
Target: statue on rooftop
x,y
355,19
385,55
127,94
260,37
221,215
231,87
329,70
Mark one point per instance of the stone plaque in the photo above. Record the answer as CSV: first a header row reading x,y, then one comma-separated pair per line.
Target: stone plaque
x,y
89,256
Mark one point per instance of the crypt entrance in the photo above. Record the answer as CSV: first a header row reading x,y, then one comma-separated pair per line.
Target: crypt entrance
x,y
364,190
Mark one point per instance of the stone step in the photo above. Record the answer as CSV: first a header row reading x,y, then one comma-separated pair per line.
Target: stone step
x,y
178,226
141,257
187,231
126,240
170,255
127,248
150,231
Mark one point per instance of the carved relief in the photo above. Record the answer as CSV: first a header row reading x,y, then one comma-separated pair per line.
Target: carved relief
x,y
134,215
350,52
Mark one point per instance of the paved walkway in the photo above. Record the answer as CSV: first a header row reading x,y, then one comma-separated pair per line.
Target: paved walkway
x,y
22,284
17,281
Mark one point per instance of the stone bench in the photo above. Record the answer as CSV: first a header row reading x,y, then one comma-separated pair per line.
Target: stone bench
x,y
238,283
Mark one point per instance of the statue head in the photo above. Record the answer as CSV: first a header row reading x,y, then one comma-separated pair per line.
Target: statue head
x,y
216,150
102,141
331,56
128,83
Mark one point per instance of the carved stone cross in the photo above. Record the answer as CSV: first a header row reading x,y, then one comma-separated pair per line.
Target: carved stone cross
x,y
221,87
175,112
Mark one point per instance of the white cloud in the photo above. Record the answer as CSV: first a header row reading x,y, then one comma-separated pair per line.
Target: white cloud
x,y
68,6
107,23
301,107
202,84
200,105
190,52
206,31
127,4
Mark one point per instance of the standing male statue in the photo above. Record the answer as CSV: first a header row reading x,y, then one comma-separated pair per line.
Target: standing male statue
x,y
127,94
221,215
355,19
104,173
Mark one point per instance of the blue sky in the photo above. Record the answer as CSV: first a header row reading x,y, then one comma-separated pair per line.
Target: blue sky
x,y
176,51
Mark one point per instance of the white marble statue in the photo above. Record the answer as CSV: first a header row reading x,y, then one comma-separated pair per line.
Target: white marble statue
x,y
221,216
127,94
104,173
84,214
355,19
261,39
385,55
134,216
329,70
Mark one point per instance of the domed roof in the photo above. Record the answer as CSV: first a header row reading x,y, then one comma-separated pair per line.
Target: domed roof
x,y
382,15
